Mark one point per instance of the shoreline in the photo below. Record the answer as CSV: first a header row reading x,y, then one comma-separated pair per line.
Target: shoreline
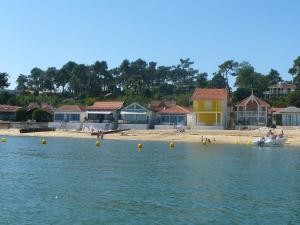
x,y
190,136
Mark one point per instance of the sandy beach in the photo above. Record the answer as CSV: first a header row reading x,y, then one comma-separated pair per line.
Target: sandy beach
x,y
220,136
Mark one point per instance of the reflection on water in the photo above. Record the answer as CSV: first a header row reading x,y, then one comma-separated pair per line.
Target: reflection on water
x,y
70,181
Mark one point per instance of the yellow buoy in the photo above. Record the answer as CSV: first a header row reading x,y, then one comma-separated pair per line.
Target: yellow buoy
x,y
204,142
249,142
3,140
172,145
98,143
139,146
44,141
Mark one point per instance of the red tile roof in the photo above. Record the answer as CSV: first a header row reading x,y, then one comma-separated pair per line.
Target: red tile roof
x,y
157,106
73,108
105,106
274,110
9,108
211,94
252,97
175,110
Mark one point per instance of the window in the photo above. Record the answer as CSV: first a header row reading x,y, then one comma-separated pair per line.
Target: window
x,y
74,117
165,119
181,120
208,105
129,117
173,119
141,117
59,117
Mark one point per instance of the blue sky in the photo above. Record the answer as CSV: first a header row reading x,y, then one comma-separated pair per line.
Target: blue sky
x,y
50,33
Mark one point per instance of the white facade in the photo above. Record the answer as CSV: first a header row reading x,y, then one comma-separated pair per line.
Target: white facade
x,y
290,116
69,116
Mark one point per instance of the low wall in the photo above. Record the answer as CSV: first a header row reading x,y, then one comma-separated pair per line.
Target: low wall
x,y
133,126
207,127
4,125
23,125
98,126
65,126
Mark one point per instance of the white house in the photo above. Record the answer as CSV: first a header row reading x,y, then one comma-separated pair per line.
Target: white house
x,y
103,115
68,117
252,111
280,89
290,116
173,117
69,113
135,116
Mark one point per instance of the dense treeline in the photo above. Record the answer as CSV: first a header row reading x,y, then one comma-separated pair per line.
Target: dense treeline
x,y
138,81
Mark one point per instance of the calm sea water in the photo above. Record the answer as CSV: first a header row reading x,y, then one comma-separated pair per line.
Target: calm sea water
x,y
70,181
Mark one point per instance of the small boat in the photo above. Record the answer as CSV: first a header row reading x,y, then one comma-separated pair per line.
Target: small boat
x,y
269,141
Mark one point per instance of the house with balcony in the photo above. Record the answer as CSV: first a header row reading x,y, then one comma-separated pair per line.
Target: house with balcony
x,y
252,111
135,116
210,108
279,90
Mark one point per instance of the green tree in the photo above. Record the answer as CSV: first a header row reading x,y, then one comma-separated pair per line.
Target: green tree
x,y
273,77
295,70
41,116
293,98
21,114
5,96
4,80
49,77
35,80
247,77
22,83
79,80
218,81
183,73
226,69
62,79
202,80
240,93
65,75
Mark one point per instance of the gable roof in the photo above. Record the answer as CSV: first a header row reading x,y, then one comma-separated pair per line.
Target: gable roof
x,y
44,106
9,108
252,97
175,110
106,106
210,94
32,106
73,108
290,109
157,106
128,107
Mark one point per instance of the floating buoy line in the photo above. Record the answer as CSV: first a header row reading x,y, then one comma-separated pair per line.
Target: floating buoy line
x,y
140,146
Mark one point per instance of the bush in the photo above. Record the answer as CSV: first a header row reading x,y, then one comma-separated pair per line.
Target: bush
x,y
21,114
40,115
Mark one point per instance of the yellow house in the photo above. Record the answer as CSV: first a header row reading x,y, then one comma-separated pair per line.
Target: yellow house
x,y
210,108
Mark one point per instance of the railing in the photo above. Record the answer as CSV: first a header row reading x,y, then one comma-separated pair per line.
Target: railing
x,y
133,121
283,92
195,110
251,114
